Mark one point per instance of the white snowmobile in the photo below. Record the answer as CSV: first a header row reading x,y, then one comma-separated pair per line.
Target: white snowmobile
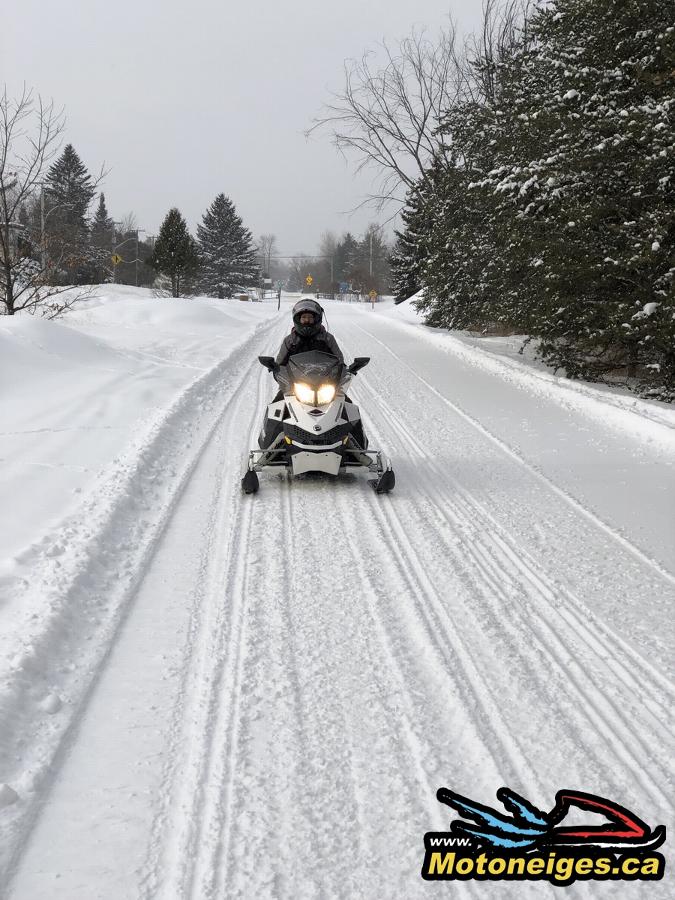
x,y
312,425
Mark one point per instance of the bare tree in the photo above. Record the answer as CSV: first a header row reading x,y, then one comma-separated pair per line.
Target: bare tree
x,y
328,244
267,244
388,115
128,223
30,132
502,28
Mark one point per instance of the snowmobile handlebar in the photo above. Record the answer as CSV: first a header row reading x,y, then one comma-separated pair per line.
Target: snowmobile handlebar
x,y
269,363
359,363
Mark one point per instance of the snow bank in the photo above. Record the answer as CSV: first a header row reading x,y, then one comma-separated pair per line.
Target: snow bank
x,y
105,413
76,390
614,405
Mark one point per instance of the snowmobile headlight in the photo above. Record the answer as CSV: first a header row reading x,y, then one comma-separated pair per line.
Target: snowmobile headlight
x,y
303,392
326,393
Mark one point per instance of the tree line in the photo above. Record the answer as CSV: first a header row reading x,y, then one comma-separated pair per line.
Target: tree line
x,y
56,237
349,264
541,201
51,241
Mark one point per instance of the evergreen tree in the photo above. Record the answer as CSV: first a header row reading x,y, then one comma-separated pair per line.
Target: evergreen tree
x,y
102,236
69,191
586,181
228,256
102,225
346,259
553,214
175,253
372,270
409,256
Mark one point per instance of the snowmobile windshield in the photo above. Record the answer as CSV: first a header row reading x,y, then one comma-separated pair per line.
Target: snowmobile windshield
x,y
315,369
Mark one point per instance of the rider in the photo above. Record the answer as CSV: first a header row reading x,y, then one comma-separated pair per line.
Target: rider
x,y
307,333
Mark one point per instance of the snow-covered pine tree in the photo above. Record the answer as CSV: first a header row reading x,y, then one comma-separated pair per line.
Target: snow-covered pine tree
x,y
175,253
461,275
101,236
409,256
228,257
346,259
556,216
585,176
69,190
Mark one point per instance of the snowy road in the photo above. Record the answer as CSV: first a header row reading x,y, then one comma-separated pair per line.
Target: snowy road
x,y
277,685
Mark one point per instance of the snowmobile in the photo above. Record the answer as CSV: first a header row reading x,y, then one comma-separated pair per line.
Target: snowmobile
x,y
312,425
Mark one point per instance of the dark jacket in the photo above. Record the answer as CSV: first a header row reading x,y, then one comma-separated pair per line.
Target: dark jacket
x,y
295,343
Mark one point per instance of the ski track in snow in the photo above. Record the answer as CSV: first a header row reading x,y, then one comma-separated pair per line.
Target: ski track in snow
x,y
344,655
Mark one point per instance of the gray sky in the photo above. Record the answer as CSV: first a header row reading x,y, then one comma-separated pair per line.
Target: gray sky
x,y
183,100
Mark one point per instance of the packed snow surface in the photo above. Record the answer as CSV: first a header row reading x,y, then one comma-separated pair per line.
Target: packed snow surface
x,y
211,695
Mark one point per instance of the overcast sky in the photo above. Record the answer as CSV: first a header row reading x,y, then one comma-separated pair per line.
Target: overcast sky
x,y
183,100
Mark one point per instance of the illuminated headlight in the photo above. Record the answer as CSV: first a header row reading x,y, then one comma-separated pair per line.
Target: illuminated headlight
x,y
303,392
325,394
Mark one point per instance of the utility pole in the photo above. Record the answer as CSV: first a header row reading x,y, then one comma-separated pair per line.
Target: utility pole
x,y
371,254
137,230
114,250
43,249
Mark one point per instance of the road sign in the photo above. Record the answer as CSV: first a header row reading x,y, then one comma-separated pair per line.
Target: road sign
x,y
116,259
372,295
309,281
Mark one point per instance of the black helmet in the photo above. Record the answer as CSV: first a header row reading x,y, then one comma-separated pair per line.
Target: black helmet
x,y
307,305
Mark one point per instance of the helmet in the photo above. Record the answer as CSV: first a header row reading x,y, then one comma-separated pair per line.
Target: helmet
x,y
307,305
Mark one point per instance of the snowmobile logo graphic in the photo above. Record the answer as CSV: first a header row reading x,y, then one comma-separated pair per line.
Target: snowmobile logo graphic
x,y
528,828
523,843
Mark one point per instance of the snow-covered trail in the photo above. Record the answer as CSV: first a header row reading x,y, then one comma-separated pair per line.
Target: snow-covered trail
x,y
299,671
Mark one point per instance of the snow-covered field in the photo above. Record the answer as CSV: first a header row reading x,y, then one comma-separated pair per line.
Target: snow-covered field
x,y
204,694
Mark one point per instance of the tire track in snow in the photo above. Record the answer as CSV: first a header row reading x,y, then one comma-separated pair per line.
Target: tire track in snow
x,y
497,559
310,663
516,557
306,685
515,455
110,547
225,713
205,720
357,520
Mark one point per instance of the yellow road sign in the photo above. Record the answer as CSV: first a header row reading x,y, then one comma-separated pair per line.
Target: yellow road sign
x,y
116,259
309,280
372,295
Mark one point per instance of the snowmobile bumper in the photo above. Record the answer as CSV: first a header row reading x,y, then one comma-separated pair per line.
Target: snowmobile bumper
x,y
311,461
331,460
